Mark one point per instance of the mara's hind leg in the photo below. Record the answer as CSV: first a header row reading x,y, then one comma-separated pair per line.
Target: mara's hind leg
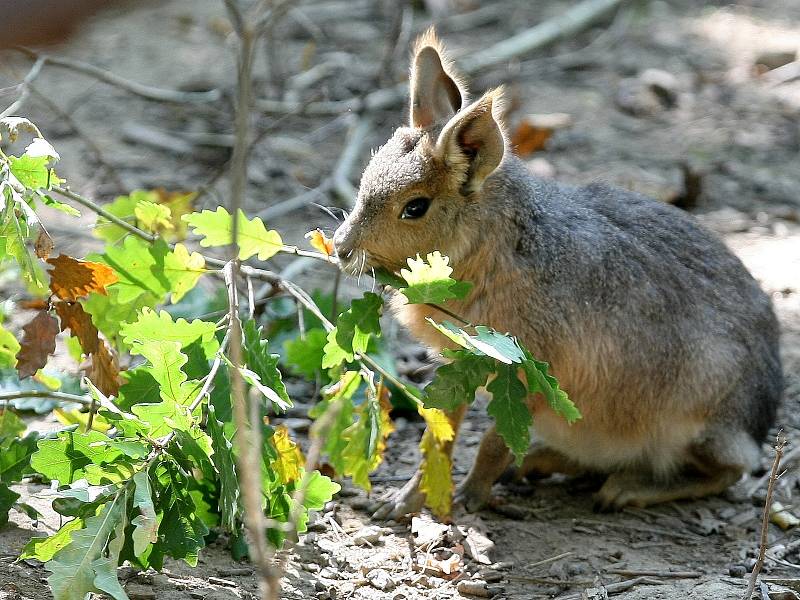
x,y
712,465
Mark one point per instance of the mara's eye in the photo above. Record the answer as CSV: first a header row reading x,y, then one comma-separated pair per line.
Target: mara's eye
x,y
415,208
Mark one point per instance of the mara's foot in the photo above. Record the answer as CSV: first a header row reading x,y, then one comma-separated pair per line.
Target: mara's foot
x,y
635,489
407,500
472,495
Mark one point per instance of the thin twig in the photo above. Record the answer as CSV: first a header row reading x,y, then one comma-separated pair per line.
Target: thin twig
x,y
780,443
248,426
25,86
87,139
62,396
82,200
567,24
790,456
138,89
547,561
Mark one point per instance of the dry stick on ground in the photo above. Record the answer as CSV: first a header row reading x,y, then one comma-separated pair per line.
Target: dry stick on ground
x,y
138,89
87,139
338,182
573,21
25,86
780,443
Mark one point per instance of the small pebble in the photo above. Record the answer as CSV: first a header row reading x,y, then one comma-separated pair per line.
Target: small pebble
x,y
381,580
737,571
367,536
139,592
235,572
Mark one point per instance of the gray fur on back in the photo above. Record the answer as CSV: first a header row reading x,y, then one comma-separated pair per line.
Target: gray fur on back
x,y
682,310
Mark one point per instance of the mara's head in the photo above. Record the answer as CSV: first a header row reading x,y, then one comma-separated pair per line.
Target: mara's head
x,y
422,189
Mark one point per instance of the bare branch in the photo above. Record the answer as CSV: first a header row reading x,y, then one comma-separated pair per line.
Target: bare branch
x,y
60,396
136,88
25,86
780,443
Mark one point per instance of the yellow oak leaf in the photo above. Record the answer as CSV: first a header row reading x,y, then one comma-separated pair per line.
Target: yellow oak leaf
x,y
290,459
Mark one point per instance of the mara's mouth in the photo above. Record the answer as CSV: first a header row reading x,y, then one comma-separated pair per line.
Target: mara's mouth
x,y
355,263
363,262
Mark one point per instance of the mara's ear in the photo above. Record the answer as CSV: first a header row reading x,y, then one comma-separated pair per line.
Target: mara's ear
x,y
436,93
472,143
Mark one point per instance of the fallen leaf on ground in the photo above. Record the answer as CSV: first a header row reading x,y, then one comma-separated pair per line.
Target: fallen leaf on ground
x,y
533,132
72,278
38,342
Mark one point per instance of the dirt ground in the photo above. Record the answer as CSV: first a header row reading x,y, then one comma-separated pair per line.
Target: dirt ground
x,y
713,135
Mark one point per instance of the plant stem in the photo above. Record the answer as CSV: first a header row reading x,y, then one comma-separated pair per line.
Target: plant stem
x,y
67,193
62,396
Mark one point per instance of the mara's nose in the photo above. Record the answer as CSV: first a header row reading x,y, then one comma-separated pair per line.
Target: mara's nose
x,y
343,242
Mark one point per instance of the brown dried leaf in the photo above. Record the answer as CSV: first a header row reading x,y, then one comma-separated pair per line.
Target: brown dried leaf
x,y
319,241
38,342
103,370
72,278
33,304
44,245
532,133
528,139
78,321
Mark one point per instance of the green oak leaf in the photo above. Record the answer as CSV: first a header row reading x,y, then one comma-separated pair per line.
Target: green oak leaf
x,y
109,314
31,171
455,383
304,356
7,499
10,424
9,346
44,548
510,411
66,457
145,524
258,359
319,490
429,280
353,330
228,481
539,380
485,341
158,326
15,456
217,230
181,531
81,566
340,402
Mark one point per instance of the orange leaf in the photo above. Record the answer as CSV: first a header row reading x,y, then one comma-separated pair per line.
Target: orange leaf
x,y
528,139
74,318
103,370
72,278
38,342
319,241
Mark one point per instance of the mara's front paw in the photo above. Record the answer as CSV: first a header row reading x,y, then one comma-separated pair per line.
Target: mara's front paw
x,y
406,501
472,495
